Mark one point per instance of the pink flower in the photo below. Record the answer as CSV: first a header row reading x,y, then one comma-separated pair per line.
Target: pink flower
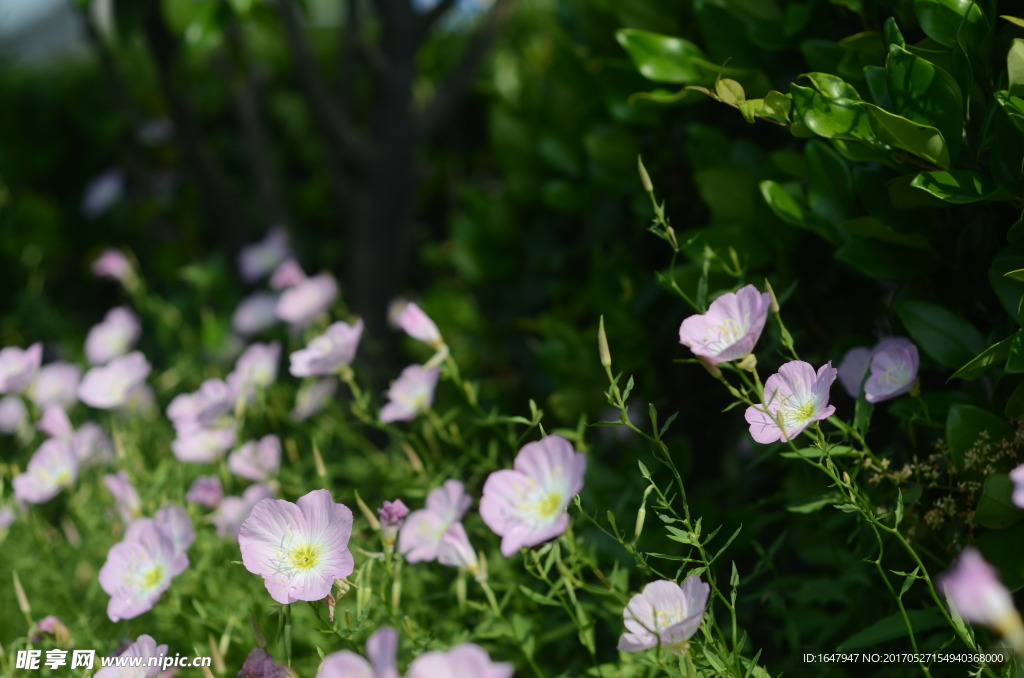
x,y
53,467
259,664
392,514
418,325
329,352
114,384
144,647
102,193
420,537
138,571
13,414
255,369
173,523
381,648
259,259
1017,476
852,369
664,614
203,408
299,549
18,367
312,397
56,385
894,364
256,313
55,423
730,328
205,491
203,445
257,461
114,336
796,397
456,551
301,304
461,661
51,626
232,511
91,443
7,517
974,590
113,264
527,505
410,394
288,274
125,495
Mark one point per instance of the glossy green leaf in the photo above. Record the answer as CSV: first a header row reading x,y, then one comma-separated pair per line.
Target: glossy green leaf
x,y
662,58
944,20
1014,108
831,118
730,91
965,426
959,187
925,94
892,33
1016,275
996,509
791,209
1015,67
943,335
921,140
1015,354
992,356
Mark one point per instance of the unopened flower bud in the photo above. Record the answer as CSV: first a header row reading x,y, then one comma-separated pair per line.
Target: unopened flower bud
x,y
645,178
748,363
773,301
602,345
392,515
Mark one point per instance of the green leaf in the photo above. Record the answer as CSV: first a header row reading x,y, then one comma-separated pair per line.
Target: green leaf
x,y
894,627
946,337
792,210
1014,108
943,20
1015,354
964,427
816,505
1016,275
921,140
662,58
996,509
730,91
981,363
831,118
1015,67
959,187
924,93
892,33
1015,403
886,261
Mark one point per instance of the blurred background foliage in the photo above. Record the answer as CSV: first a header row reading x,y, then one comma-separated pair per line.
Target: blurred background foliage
x,y
865,156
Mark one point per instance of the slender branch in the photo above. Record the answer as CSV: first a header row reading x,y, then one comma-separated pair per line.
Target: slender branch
x,y
349,149
462,76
